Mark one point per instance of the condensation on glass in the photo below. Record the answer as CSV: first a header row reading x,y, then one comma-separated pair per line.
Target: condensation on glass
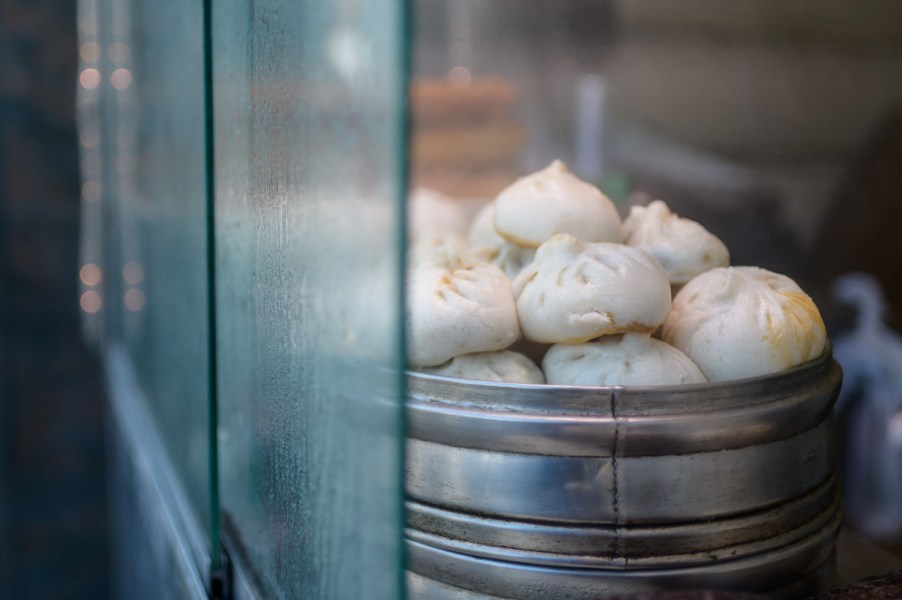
x,y
308,171
309,156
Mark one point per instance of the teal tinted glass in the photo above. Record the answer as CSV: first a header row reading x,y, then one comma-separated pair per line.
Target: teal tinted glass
x,y
155,277
309,105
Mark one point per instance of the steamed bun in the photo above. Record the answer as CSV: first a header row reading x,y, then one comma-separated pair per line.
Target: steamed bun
x,y
427,246
683,247
575,291
482,229
458,305
628,359
484,240
738,322
507,366
536,207
432,212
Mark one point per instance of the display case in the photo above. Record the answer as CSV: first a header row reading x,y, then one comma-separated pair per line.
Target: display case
x,y
248,173
243,225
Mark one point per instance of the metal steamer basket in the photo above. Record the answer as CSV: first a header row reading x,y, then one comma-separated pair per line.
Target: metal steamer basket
x,y
540,492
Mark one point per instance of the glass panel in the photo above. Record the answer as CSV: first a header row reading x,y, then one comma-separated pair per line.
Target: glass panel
x,y
154,275
309,160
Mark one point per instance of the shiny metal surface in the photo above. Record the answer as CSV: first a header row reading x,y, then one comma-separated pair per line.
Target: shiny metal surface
x,y
790,571
582,421
423,588
716,484
527,491
620,455
519,486
596,546
636,489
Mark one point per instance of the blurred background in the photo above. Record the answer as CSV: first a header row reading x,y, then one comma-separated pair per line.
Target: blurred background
x,y
53,541
776,125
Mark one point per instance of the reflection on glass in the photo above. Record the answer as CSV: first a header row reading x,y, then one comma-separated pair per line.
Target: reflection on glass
x,y
89,78
89,274
133,272
125,164
459,77
121,79
90,302
89,51
125,139
87,26
135,299
118,52
89,139
90,191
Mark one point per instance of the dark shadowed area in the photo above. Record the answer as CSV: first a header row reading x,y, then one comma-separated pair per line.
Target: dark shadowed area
x,y
52,493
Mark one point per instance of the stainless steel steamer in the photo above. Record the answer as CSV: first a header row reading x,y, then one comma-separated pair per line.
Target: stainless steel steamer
x,y
538,492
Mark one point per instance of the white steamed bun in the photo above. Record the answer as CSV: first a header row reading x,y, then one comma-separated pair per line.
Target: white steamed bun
x,y
482,229
738,322
431,212
628,359
507,256
536,207
458,305
575,291
507,366
683,247
427,246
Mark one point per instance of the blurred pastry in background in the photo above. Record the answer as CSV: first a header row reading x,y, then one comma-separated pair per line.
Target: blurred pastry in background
x,y
466,138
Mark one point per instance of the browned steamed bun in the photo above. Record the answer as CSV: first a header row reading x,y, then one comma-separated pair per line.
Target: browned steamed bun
x,y
738,322
575,291
537,207
458,305
628,359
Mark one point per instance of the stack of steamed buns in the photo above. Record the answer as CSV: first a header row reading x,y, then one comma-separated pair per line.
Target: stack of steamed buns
x,y
548,274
